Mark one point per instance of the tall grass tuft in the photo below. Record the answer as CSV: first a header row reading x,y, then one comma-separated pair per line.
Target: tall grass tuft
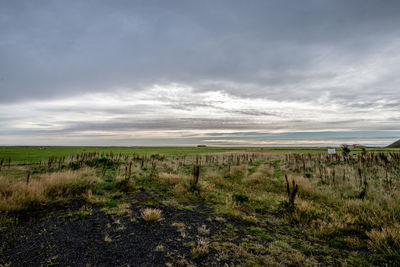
x,y
46,188
151,215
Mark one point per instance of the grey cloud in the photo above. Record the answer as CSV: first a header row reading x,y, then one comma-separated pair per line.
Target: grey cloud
x,y
254,112
167,124
190,105
250,112
134,109
161,124
53,49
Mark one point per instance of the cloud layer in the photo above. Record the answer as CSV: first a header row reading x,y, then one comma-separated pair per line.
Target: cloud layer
x,y
178,72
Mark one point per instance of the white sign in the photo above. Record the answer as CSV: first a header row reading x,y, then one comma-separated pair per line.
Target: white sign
x,y
331,151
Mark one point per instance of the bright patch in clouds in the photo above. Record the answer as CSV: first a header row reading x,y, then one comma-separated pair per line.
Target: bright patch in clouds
x,y
168,113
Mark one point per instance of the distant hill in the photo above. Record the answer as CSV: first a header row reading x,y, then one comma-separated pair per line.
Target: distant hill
x,y
394,145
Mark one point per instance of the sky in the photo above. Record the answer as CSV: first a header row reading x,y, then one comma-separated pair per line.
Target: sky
x,y
220,73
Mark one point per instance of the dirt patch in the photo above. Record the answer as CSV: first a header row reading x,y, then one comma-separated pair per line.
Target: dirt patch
x,y
140,196
78,234
102,239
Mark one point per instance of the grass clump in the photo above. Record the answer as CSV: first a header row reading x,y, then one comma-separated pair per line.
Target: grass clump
x,y
107,238
386,242
150,215
260,232
201,249
202,230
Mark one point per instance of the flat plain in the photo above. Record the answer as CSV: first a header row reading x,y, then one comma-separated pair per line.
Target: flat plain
x,y
168,206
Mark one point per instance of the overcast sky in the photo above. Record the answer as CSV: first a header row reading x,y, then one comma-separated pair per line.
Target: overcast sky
x,y
282,72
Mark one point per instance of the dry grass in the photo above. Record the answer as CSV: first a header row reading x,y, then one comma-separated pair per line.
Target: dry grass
x,y
107,238
47,188
386,241
171,178
202,230
179,190
237,173
151,215
120,209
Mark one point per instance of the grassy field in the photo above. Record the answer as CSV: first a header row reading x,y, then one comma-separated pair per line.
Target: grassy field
x,y
34,154
247,206
29,154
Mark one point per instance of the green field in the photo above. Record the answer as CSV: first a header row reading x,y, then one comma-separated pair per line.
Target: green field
x,y
34,154
29,154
